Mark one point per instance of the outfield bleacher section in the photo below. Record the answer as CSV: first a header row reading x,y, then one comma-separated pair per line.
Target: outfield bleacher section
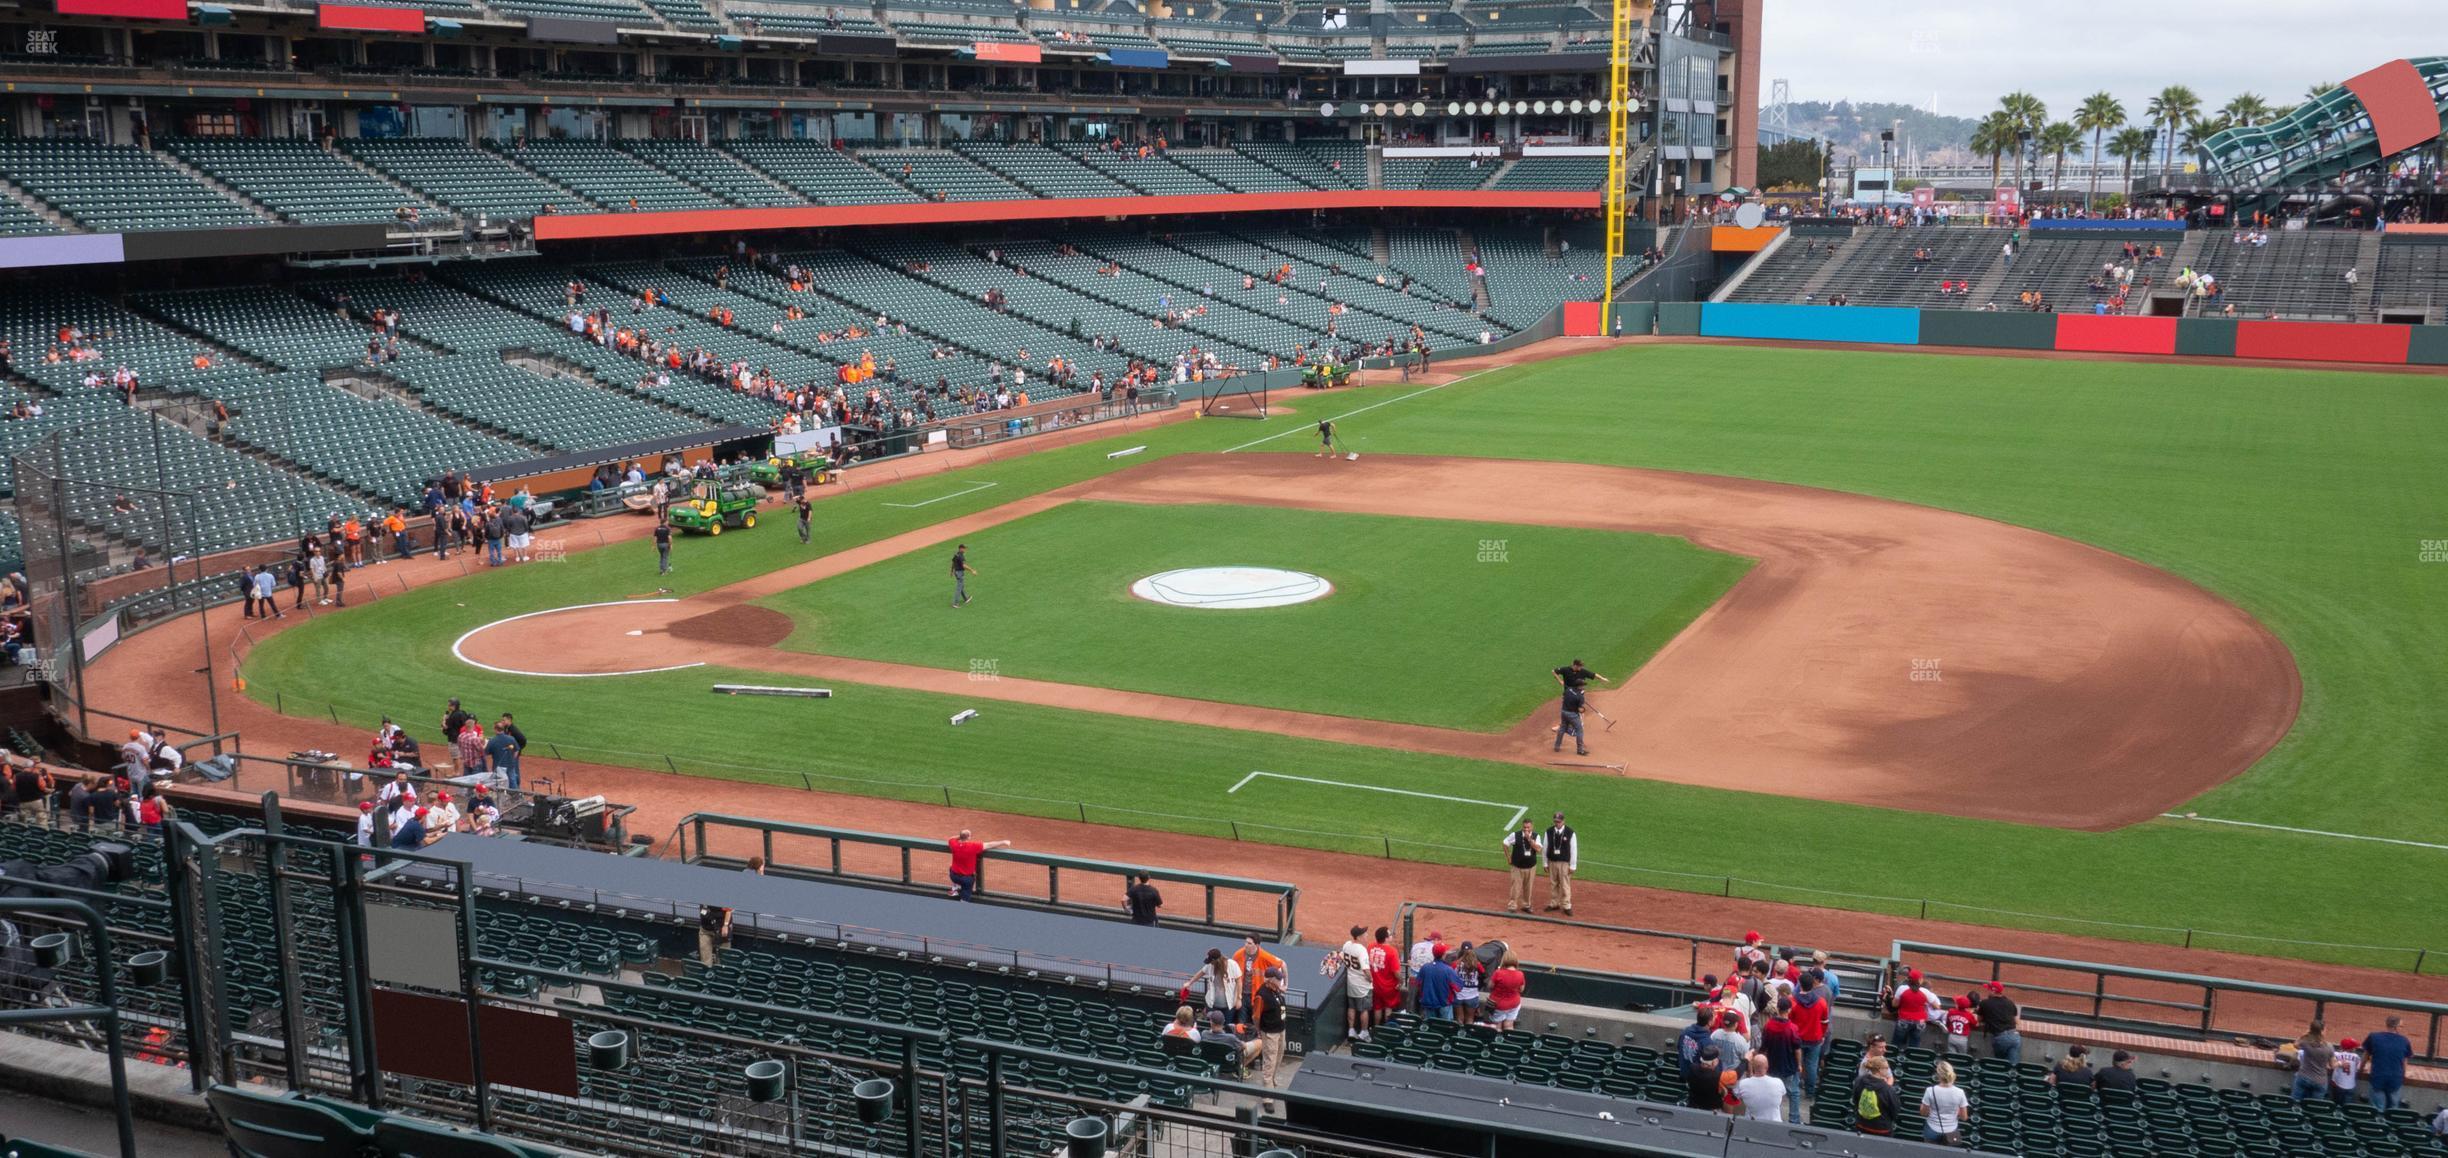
x,y
2061,269
2412,277
2300,273
1885,267
1780,275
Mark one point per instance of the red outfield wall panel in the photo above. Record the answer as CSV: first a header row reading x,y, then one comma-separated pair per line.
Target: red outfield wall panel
x,y
2116,334
2400,105
2325,341
364,18
575,226
126,9
1584,320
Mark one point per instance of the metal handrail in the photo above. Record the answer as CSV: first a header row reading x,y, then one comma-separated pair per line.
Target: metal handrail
x,y
1285,896
2211,988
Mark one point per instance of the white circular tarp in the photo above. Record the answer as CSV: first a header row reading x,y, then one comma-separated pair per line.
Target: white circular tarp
x,y
1232,587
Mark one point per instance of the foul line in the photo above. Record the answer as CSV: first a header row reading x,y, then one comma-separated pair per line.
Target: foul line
x,y
1362,410
573,675
1519,810
954,495
2305,831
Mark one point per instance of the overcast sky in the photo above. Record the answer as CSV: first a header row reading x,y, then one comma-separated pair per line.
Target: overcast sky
x,y
1965,53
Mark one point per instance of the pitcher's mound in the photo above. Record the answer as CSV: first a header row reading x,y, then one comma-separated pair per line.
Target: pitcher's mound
x,y
742,624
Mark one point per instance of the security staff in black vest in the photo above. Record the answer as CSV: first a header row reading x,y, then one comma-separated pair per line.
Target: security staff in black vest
x,y
1563,851
1522,856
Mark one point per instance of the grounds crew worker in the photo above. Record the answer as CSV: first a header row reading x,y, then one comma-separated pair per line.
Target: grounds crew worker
x,y
1568,722
1326,439
1563,859
1522,856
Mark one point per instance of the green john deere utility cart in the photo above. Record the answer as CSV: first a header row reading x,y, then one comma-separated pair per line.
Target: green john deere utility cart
x,y
712,505
767,472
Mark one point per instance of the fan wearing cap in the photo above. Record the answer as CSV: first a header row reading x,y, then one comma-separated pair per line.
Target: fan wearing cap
x,y
365,824
1563,858
2002,1020
1959,1023
1749,951
443,816
1911,1004
412,834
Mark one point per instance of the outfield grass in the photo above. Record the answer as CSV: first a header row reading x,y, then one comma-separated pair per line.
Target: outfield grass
x,y
2304,496
1420,629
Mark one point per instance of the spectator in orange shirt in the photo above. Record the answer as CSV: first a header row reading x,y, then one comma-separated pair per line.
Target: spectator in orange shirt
x,y
1254,961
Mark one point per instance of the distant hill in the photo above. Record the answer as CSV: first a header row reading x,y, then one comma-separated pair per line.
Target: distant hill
x,y
1854,128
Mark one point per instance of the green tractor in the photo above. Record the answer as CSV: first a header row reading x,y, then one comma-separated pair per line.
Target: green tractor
x,y
712,505
767,472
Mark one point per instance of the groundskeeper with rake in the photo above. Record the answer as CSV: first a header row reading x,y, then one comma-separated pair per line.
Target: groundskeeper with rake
x,y
1330,446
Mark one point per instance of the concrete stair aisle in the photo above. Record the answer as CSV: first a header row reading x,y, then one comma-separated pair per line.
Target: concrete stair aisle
x,y
1985,290
503,155
2367,278
1381,246
1469,247
429,211
40,208
219,186
1844,254
2188,253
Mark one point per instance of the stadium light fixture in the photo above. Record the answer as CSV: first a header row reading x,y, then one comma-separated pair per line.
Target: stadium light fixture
x,y
1453,108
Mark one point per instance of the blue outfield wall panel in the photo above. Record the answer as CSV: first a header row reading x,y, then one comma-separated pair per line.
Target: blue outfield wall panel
x,y
1872,324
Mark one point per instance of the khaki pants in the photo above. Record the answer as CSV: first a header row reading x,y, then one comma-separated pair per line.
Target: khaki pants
x,y
1559,886
1272,1049
706,946
1523,879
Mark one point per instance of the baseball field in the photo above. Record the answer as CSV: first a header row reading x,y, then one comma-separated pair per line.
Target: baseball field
x,y
1899,632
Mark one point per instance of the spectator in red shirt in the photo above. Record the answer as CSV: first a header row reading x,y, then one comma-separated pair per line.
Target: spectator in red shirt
x,y
1810,1018
1504,992
1385,977
1912,1009
965,855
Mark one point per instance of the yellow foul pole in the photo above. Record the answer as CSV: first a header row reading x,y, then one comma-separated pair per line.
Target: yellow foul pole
x,y
1619,147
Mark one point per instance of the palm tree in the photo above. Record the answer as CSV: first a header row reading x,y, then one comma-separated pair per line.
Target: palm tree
x,y
2245,109
2322,89
2131,145
2056,140
2099,113
2027,113
1993,138
2202,129
2174,105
